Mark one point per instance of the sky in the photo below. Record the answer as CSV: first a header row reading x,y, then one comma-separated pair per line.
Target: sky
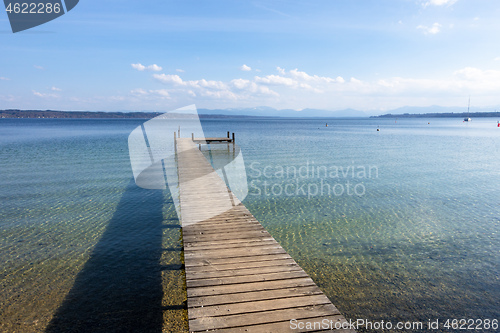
x,y
159,55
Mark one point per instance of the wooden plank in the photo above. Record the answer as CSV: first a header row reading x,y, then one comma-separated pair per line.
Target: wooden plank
x,y
214,261
223,223
246,279
202,274
228,236
235,252
246,287
309,325
194,302
242,265
212,323
227,218
258,306
233,258
225,245
226,230
211,139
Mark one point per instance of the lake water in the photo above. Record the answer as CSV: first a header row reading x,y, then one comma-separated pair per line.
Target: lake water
x,y
400,224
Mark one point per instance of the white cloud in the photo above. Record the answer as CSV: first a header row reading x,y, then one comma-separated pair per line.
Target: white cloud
x,y
219,94
153,68
276,80
299,80
252,87
169,78
482,79
139,67
315,78
245,68
462,82
439,2
299,89
139,92
4,78
42,95
39,67
178,70
177,80
150,94
161,92
55,89
434,29
240,83
497,59
234,90
8,98
240,89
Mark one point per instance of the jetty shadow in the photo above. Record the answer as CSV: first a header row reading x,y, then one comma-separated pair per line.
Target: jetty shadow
x,y
119,288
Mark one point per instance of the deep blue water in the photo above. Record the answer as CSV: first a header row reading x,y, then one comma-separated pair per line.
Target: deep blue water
x,y
400,224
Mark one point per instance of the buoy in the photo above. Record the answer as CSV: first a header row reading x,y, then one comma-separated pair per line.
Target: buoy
x,y
378,129
326,125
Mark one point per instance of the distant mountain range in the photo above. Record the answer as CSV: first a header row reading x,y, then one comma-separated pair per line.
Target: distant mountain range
x,y
441,115
262,111
438,112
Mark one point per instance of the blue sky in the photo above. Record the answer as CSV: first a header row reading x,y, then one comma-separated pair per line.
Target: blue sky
x,y
116,55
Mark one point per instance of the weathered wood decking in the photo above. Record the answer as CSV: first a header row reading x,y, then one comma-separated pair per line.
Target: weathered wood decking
x,y
239,279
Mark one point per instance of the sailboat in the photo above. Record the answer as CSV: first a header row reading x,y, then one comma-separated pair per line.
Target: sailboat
x,y
468,108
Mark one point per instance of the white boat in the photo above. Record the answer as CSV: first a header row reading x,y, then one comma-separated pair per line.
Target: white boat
x,y
467,118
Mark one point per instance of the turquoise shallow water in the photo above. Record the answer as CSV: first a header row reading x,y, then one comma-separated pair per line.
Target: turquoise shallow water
x,y
411,235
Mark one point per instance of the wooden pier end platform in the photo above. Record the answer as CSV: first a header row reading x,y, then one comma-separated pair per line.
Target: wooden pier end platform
x,y
239,279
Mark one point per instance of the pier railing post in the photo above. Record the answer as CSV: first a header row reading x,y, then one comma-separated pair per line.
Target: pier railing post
x,y
233,144
175,143
192,136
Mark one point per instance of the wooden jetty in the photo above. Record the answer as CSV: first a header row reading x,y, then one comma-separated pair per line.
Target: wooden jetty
x,y
239,279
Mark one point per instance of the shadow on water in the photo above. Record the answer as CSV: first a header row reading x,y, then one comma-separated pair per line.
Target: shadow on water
x,y
119,288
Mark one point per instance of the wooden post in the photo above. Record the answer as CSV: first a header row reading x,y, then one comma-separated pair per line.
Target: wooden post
x,y
199,146
233,144
179,132
192,136
228,134
175,143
